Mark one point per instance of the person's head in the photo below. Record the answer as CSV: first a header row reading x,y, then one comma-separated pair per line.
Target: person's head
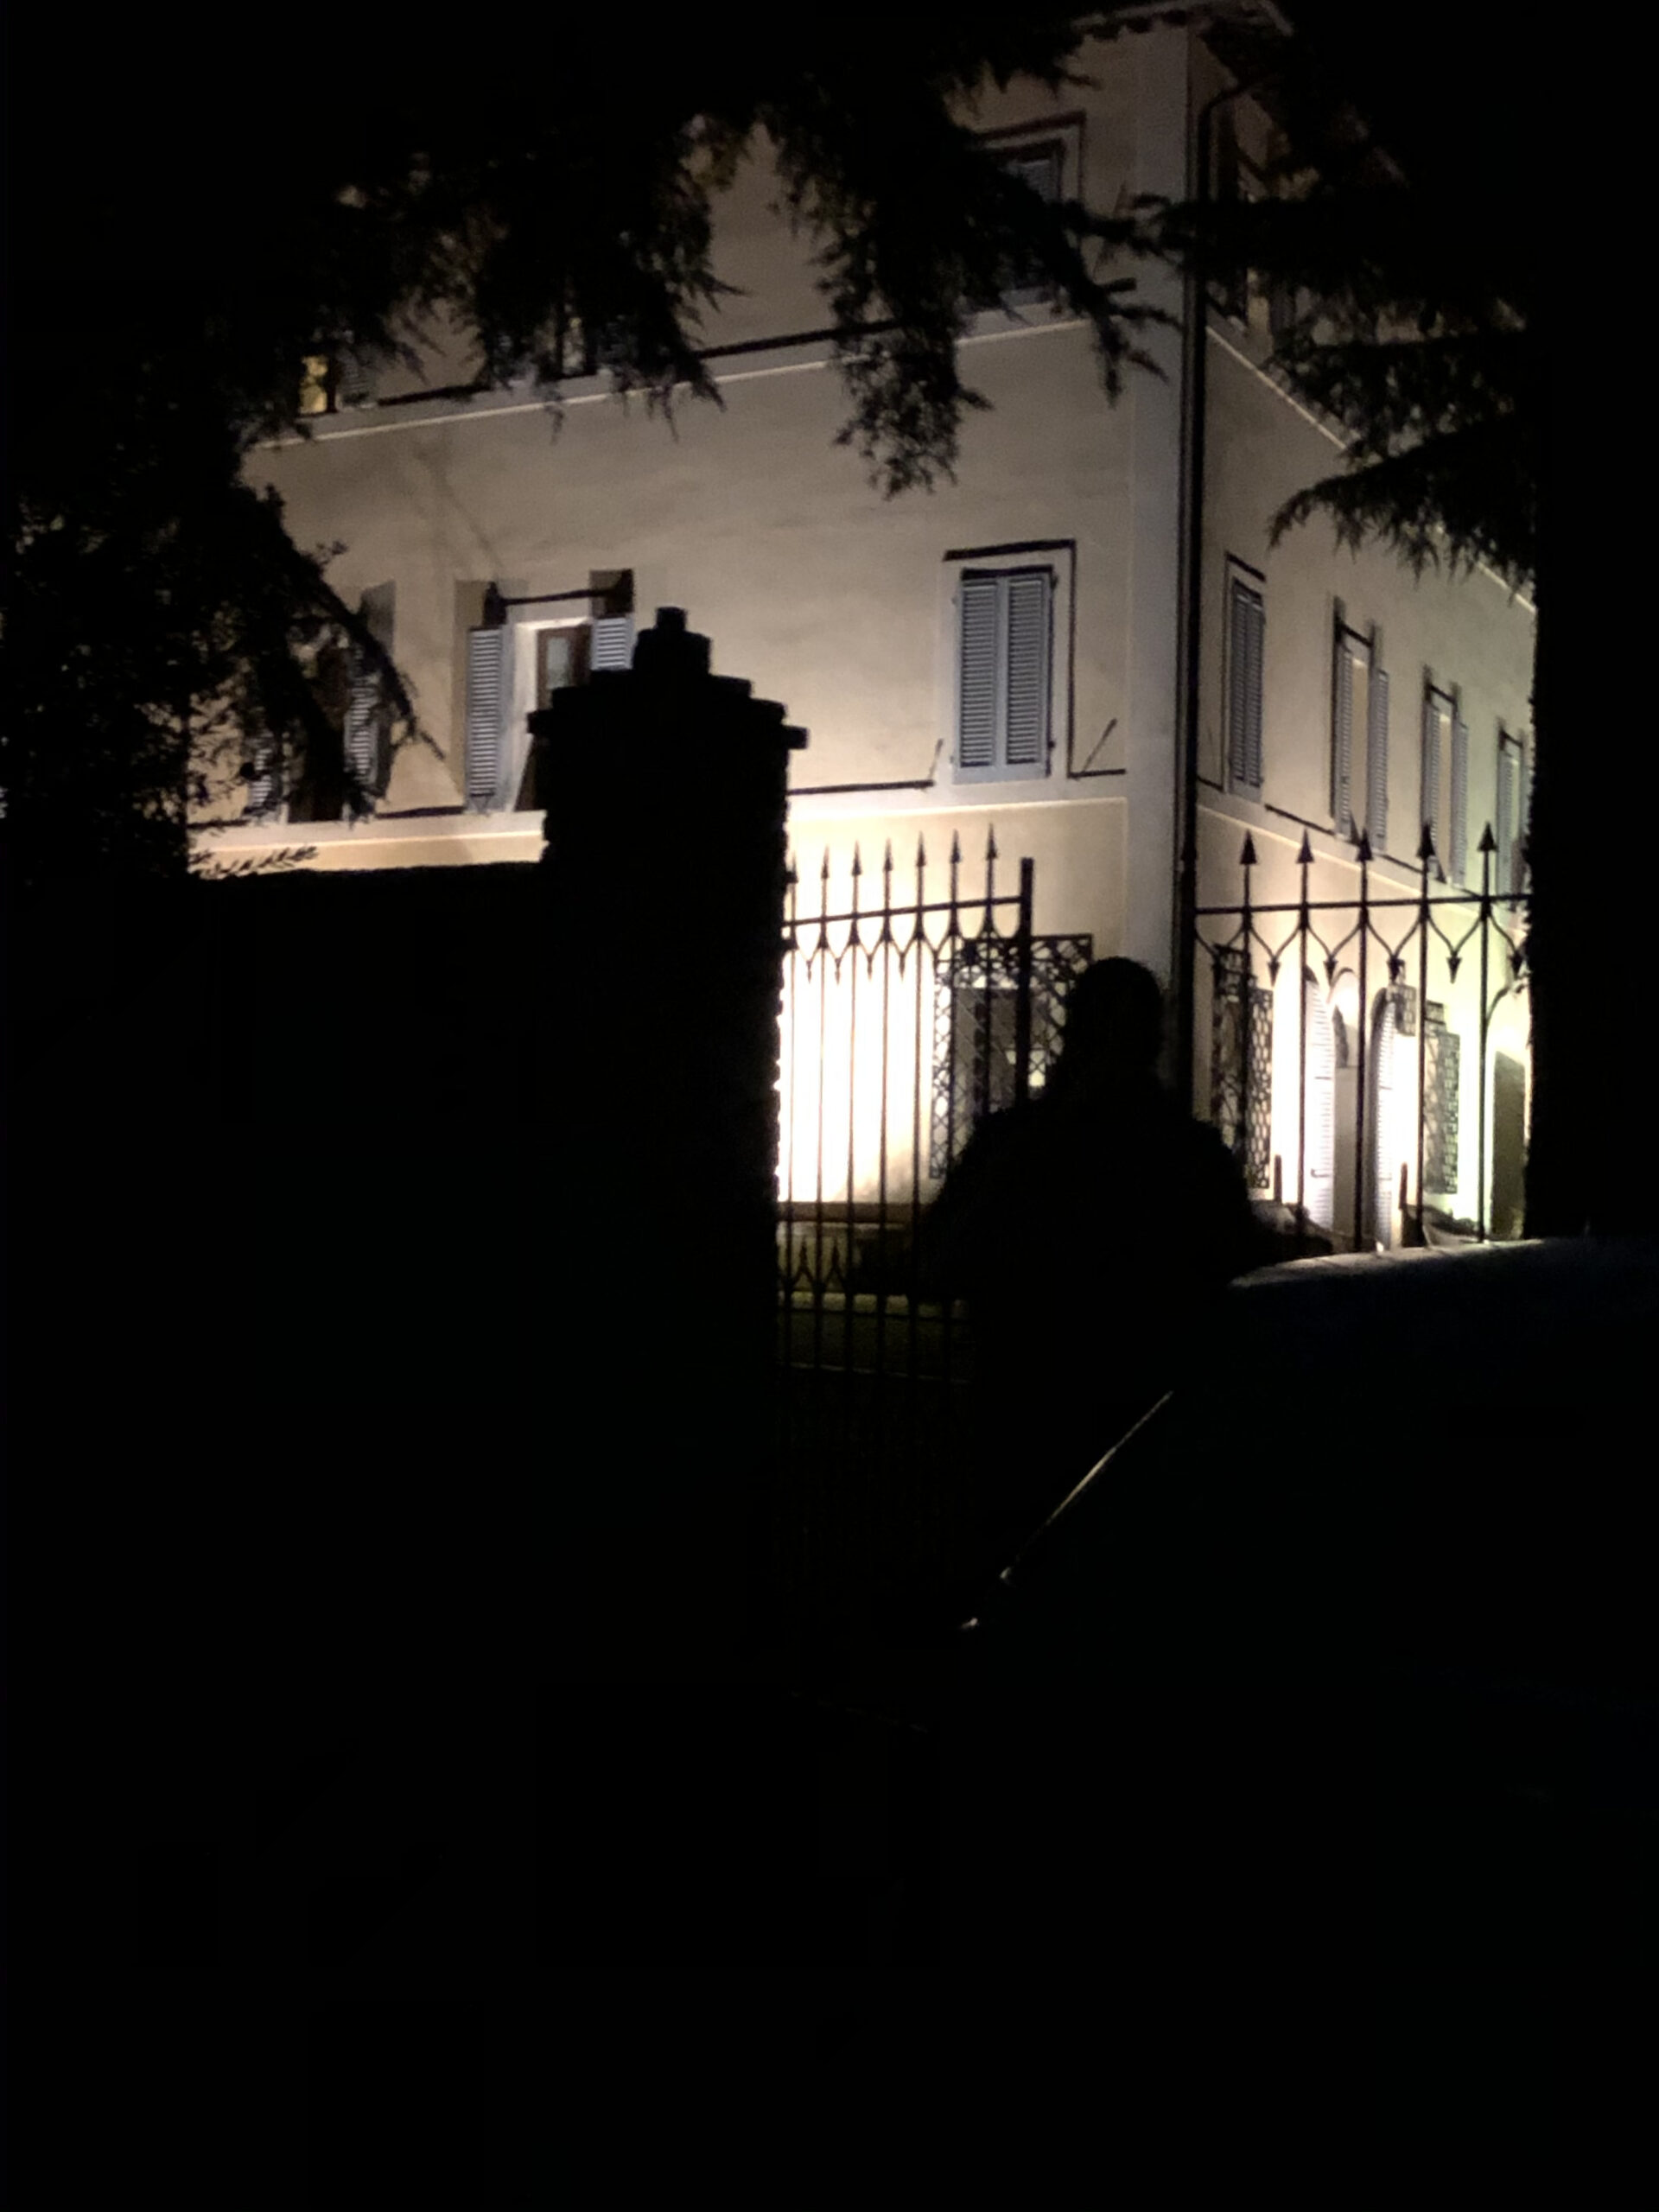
x,y
1114,1019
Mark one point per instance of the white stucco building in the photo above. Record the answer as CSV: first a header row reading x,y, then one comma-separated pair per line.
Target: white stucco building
x,y
1023,652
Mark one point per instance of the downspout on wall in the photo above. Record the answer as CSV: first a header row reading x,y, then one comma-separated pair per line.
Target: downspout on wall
x,y
1195,382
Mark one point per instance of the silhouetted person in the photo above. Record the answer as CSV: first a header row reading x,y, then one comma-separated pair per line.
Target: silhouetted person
x,y
1087,1232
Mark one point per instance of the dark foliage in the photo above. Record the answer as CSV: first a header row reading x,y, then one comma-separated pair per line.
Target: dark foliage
x,y
212,222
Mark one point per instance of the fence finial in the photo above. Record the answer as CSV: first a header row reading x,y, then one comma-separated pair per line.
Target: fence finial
x,y
1488,843
858,863
1425,844
955,850
1363,848
1304,857
921,851
1247,856
991,853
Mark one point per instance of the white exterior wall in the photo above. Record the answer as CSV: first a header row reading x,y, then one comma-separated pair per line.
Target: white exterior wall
x,y
840,603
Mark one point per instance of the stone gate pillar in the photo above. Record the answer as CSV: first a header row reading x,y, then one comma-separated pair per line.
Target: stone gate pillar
x,y
658,974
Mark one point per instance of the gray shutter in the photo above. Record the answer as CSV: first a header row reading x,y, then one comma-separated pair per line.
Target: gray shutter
x,y
611,644
362,736
1505,815
976,704
1459,838
1245,689
1377,760
1237,680
1029,601
1524,837
487,707
1342,739
1431,790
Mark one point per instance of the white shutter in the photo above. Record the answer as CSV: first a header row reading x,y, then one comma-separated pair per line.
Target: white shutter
x,y
977,697
261,776
1505,814
1320,1157
611,644
362,737
1377,760
486,707
1342,739
1385,1164
1458,838
1029,598
1431,790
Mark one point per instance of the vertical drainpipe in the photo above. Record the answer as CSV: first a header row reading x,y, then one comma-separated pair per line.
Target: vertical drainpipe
x,y
1195,380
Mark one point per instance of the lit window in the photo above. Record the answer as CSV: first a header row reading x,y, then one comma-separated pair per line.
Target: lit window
x,y
316,384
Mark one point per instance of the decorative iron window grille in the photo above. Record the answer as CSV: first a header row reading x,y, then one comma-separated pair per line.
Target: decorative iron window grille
x,y
975,1024
1440,1104
1405,1010
1243,1110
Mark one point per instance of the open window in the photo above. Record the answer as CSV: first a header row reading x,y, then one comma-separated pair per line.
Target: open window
x,y
525,651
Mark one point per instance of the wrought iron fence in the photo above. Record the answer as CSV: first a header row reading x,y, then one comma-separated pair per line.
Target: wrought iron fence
x,y
1373,1125
904,1019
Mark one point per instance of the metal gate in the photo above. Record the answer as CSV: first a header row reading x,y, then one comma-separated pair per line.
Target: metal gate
x,y
904,1019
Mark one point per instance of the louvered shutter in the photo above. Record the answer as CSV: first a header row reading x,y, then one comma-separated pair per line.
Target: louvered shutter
x,y
1506,797
1245,689
1342,739
1026,712
1523,838
1431,791
487,707
1377,760
1458,834
362,736
612,643
261,776
1256,630
1237,685
1319,1159
976,705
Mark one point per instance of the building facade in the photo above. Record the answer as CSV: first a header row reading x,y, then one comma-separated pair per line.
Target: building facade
x,y
1084,653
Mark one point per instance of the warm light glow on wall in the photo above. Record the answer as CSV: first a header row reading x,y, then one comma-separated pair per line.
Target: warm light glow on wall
x,y
850,1103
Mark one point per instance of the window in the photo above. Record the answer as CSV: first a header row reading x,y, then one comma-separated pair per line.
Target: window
x,y
1360,736
1042,166
1445,798
1048,157
1441,1052
1005,692
316,384
1513,792
523,652
1241,1067
977,1027
1245,648
329,382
